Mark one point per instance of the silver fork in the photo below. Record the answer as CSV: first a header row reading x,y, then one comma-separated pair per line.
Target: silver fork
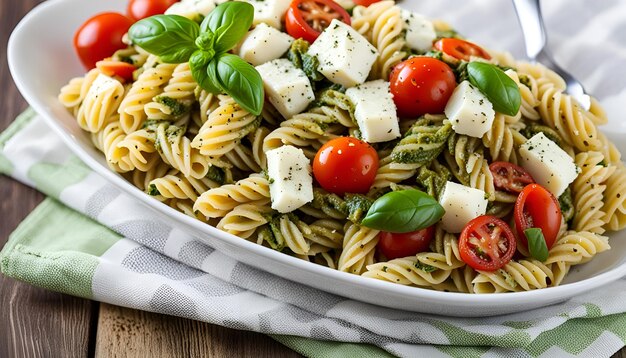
x,y
535,39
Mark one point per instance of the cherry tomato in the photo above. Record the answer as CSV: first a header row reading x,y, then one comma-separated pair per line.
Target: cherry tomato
x,y
140,9
117,68
345,165
308,18
365,2
100,36
461,49
537,207
510,177
394,245
487,243
421,85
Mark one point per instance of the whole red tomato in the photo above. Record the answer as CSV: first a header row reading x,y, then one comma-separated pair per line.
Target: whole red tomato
x,y
421,85
100,36
345,165
394,245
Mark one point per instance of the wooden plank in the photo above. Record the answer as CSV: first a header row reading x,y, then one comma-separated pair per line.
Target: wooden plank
x,y
39,323
124,332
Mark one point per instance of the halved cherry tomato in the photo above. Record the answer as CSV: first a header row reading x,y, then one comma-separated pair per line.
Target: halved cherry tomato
x,y
100,36
510,177
365,2
308,18
487,243
421,85
537,207
140,9
394,245
461,49
345,165
117,68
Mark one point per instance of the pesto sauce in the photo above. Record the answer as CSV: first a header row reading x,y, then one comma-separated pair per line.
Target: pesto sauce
x,y
425,267
533,129
433,182
216,174
433,138
267,235
354,207
153,191
176,107
335,98
357,206
567,205
298,55
276,238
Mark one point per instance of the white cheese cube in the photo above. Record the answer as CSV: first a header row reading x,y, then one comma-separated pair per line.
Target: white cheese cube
x,y
345,56
469,111
291,182
103,84
461,204
264,43
420,32
287,86
191,9
270,12
375,111
548,164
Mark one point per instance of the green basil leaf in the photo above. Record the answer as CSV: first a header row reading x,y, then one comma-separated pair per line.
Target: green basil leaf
x,y
229,22
199,63
403,211
536,244
171,37
499,88
241,81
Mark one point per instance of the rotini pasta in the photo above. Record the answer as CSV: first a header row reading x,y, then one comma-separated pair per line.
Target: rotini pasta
x,y
223,129
149,84
218,202
205,154
382,24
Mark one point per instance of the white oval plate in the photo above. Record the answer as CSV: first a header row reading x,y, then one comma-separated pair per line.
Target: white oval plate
x,y
42,60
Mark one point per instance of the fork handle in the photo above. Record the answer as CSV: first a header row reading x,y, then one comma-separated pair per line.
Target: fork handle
x,y
531,21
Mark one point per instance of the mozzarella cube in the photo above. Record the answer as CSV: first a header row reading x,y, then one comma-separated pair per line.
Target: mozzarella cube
x,y
191,9
291,181
287,86
461,204
548,164
345,56
469,111
270,12
103,84
375,111
264,44
420,32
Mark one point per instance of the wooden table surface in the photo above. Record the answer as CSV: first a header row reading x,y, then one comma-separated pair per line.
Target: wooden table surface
x,y
39,323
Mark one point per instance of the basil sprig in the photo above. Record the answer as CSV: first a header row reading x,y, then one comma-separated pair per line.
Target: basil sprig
x,y
176,39
403,211
499,88
536,244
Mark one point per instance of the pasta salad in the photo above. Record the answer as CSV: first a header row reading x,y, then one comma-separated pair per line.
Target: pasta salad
x,y
355,135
